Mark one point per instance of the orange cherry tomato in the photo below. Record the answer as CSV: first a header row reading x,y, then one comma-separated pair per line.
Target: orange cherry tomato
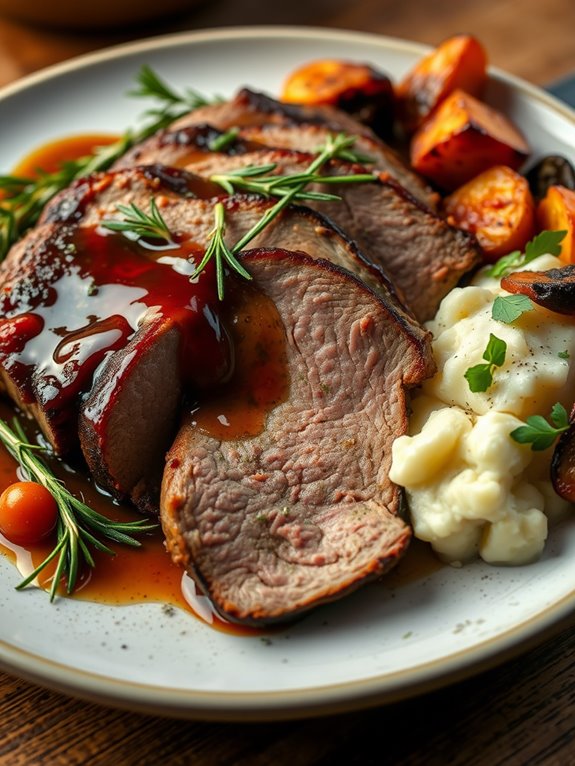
x,y
28,512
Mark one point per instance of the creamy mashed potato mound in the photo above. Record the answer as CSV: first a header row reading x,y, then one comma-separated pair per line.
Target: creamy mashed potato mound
x,y
472,490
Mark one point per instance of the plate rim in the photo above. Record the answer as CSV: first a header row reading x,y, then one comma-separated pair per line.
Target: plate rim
x,y
310,32
304,701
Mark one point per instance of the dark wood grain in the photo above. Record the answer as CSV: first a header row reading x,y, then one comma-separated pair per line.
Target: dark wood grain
x,y
520,713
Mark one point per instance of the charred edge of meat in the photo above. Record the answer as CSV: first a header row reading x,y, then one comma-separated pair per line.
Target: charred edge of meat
x,y
69,205
200,138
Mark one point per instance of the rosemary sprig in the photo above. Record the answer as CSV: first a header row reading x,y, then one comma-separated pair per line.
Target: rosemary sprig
x,y
287,188
151,86
218,250
333,148
79,527
23,199
140,225
254,178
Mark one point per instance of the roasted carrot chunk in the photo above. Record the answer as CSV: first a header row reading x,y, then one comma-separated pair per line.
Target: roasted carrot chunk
x,y
497,206
355,88
462,138
459,62
556,211
553,289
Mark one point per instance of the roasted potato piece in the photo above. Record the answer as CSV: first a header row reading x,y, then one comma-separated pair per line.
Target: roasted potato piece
x,y
553,289
497,206
462,138
556,211
552,170
459,62
355,88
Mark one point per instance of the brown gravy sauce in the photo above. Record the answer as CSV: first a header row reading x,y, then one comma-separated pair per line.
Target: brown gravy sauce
x,y
147,573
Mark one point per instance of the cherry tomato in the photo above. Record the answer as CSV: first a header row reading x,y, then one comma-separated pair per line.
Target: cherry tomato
x,y
28,512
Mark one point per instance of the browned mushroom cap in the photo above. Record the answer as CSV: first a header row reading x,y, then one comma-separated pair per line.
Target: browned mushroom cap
x,y
553,289
563,464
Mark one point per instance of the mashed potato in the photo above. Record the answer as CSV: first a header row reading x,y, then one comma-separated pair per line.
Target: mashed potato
x,y
472,490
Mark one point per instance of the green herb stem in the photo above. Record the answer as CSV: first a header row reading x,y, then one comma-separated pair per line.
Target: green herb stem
x,y
333,148
23,199
78,524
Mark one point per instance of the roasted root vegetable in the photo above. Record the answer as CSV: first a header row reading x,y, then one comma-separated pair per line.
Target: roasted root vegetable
x,y
557,211
458,63
553,289
462,138
355,88
552,170
563,464
498,207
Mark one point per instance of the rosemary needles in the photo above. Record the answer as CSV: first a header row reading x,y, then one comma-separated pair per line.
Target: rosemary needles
x,y
79,528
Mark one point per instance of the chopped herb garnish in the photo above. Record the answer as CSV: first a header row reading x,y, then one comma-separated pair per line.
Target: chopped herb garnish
x,y
508,308
538,432
545,242
480,377
563,355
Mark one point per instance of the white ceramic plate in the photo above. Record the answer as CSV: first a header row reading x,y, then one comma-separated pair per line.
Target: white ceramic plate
x,y
416,629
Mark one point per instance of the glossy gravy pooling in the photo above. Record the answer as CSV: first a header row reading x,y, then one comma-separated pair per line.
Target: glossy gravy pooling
x,y
260,380
87,299
133,575
50,156
85,296
239,408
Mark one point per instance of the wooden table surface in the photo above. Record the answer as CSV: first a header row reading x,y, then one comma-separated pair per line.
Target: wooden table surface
x,y
522,712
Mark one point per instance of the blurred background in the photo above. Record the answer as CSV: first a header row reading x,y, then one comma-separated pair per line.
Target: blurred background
x,y
528,38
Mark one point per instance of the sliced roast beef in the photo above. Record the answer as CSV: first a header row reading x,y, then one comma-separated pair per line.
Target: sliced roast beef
x,y
73,296
274,520
122,393
107,306
424,256
276,124
129,419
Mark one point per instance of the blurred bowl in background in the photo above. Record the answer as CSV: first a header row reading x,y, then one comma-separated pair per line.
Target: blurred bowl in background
x,y
91,14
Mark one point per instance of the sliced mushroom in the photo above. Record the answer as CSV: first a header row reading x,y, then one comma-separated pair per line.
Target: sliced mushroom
x,y
553,289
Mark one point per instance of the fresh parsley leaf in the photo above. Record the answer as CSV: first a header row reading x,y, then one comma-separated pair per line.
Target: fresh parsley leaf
x,y
480,377
495,350
538,432
563,355
544,242
506,264
508,308
559,416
